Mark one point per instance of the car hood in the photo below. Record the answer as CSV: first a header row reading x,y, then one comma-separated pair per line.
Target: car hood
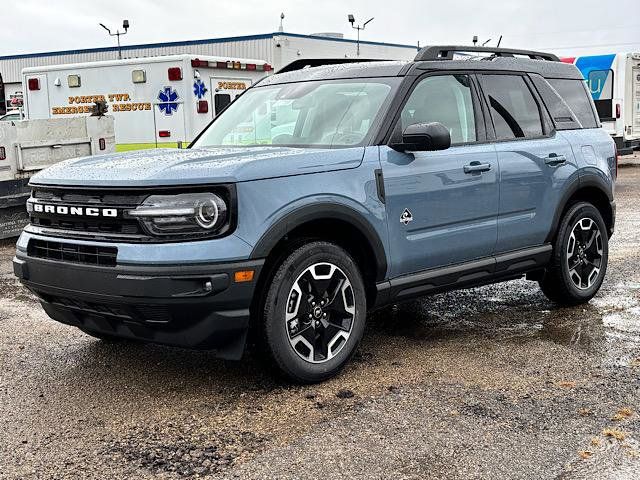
x,y
196,166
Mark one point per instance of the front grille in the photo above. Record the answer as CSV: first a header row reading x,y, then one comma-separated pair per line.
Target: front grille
x,y
155,314
69,252
96,226
84,226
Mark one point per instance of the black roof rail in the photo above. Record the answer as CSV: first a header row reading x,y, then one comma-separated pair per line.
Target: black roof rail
x,y
318,62
446,53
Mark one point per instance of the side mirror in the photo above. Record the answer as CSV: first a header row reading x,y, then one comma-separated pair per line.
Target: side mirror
x,y
424,137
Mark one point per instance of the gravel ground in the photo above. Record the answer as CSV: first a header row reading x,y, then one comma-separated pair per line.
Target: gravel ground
x,y
493,382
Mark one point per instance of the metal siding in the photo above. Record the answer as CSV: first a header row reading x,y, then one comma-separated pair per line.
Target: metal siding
x,y
260,49
257,46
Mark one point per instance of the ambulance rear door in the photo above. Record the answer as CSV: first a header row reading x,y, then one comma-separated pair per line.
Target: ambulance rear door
x,y
169,117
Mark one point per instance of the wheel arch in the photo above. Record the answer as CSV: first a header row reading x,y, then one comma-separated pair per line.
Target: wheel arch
x,y
592,189
334,222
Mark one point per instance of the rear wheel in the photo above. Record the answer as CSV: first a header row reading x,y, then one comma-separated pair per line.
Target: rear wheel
x,y
315,311
580,257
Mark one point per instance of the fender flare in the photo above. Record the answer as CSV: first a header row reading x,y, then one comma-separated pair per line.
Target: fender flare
x,y
323,211
583,181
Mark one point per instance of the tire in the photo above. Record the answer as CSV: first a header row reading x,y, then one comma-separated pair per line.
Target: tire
x,y
314,312
581,247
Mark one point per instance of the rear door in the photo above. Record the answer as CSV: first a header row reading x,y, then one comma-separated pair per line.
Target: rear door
x,y
224,90
169,117
535,162
635,122
37,96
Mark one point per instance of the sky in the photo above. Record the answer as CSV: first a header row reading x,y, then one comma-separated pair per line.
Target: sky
x,y
567,27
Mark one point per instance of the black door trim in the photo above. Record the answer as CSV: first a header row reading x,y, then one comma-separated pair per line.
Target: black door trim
x,y
477,272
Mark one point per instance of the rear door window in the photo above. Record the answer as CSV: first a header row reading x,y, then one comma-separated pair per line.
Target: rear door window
x,y
221,100
574,93
514,110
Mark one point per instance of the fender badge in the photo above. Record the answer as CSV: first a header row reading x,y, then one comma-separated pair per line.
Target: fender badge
x,y
406,217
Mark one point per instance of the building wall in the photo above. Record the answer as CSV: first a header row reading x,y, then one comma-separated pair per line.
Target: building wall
x,y
263,47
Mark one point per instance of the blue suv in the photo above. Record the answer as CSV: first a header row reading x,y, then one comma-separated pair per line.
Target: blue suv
x,y
324,192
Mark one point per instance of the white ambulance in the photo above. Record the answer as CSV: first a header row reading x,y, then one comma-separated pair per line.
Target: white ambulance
x,y
614,82
156,101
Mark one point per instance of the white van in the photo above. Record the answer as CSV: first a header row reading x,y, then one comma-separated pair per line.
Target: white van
x,y
614,82
156,101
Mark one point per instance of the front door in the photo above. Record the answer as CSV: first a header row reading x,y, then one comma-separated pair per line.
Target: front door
x,y
441,206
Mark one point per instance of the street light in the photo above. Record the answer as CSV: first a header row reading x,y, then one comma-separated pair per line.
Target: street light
x,y
358,27
125,25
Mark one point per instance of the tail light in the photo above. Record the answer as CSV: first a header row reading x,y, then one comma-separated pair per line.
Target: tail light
x,y
175,73
203,106
34,84
3,153
617,110
164,133
102,144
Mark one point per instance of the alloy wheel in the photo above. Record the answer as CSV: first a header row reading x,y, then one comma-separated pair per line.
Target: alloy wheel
x,y
320,312
584,253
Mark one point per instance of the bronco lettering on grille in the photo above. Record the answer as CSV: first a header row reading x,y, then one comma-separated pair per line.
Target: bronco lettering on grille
x,y
81,211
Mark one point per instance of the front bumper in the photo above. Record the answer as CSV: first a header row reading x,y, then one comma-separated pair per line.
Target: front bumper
x,y
192,306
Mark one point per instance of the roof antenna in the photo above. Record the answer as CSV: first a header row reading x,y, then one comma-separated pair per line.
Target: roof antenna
x,y
499,40
281,28
486,42
475,40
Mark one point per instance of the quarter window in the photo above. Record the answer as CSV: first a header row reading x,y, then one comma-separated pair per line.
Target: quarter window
x,y
514,111
575,95
446,99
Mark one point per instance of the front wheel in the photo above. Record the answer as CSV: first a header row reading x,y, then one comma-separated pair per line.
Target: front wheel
x,y
580,256
315,312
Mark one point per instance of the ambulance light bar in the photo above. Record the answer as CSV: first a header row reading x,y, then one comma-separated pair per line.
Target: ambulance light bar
x,y
231,65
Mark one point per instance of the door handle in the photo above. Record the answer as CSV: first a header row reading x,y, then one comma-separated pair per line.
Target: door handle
x,y
554,159
477,167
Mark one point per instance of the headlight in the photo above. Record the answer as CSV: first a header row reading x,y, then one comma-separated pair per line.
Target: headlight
x,y
186,214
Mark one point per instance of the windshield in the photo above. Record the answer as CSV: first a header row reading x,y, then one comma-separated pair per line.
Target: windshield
x,y
327,114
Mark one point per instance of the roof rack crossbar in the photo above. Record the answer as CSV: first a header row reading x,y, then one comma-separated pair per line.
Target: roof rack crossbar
x,y
447,52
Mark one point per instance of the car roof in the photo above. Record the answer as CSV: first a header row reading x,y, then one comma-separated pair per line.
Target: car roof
x,y
431,59
340,71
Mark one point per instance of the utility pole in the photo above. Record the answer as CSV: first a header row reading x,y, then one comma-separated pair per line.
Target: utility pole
x,y
358,28
125,25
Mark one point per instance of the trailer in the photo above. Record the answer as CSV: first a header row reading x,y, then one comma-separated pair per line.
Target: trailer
x,y
156,101
28,146
614,82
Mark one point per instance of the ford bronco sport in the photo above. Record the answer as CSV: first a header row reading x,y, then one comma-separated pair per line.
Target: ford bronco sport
x,y
324,192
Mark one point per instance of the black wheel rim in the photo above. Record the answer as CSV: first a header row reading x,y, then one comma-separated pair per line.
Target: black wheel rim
x,y
320,312
584,253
